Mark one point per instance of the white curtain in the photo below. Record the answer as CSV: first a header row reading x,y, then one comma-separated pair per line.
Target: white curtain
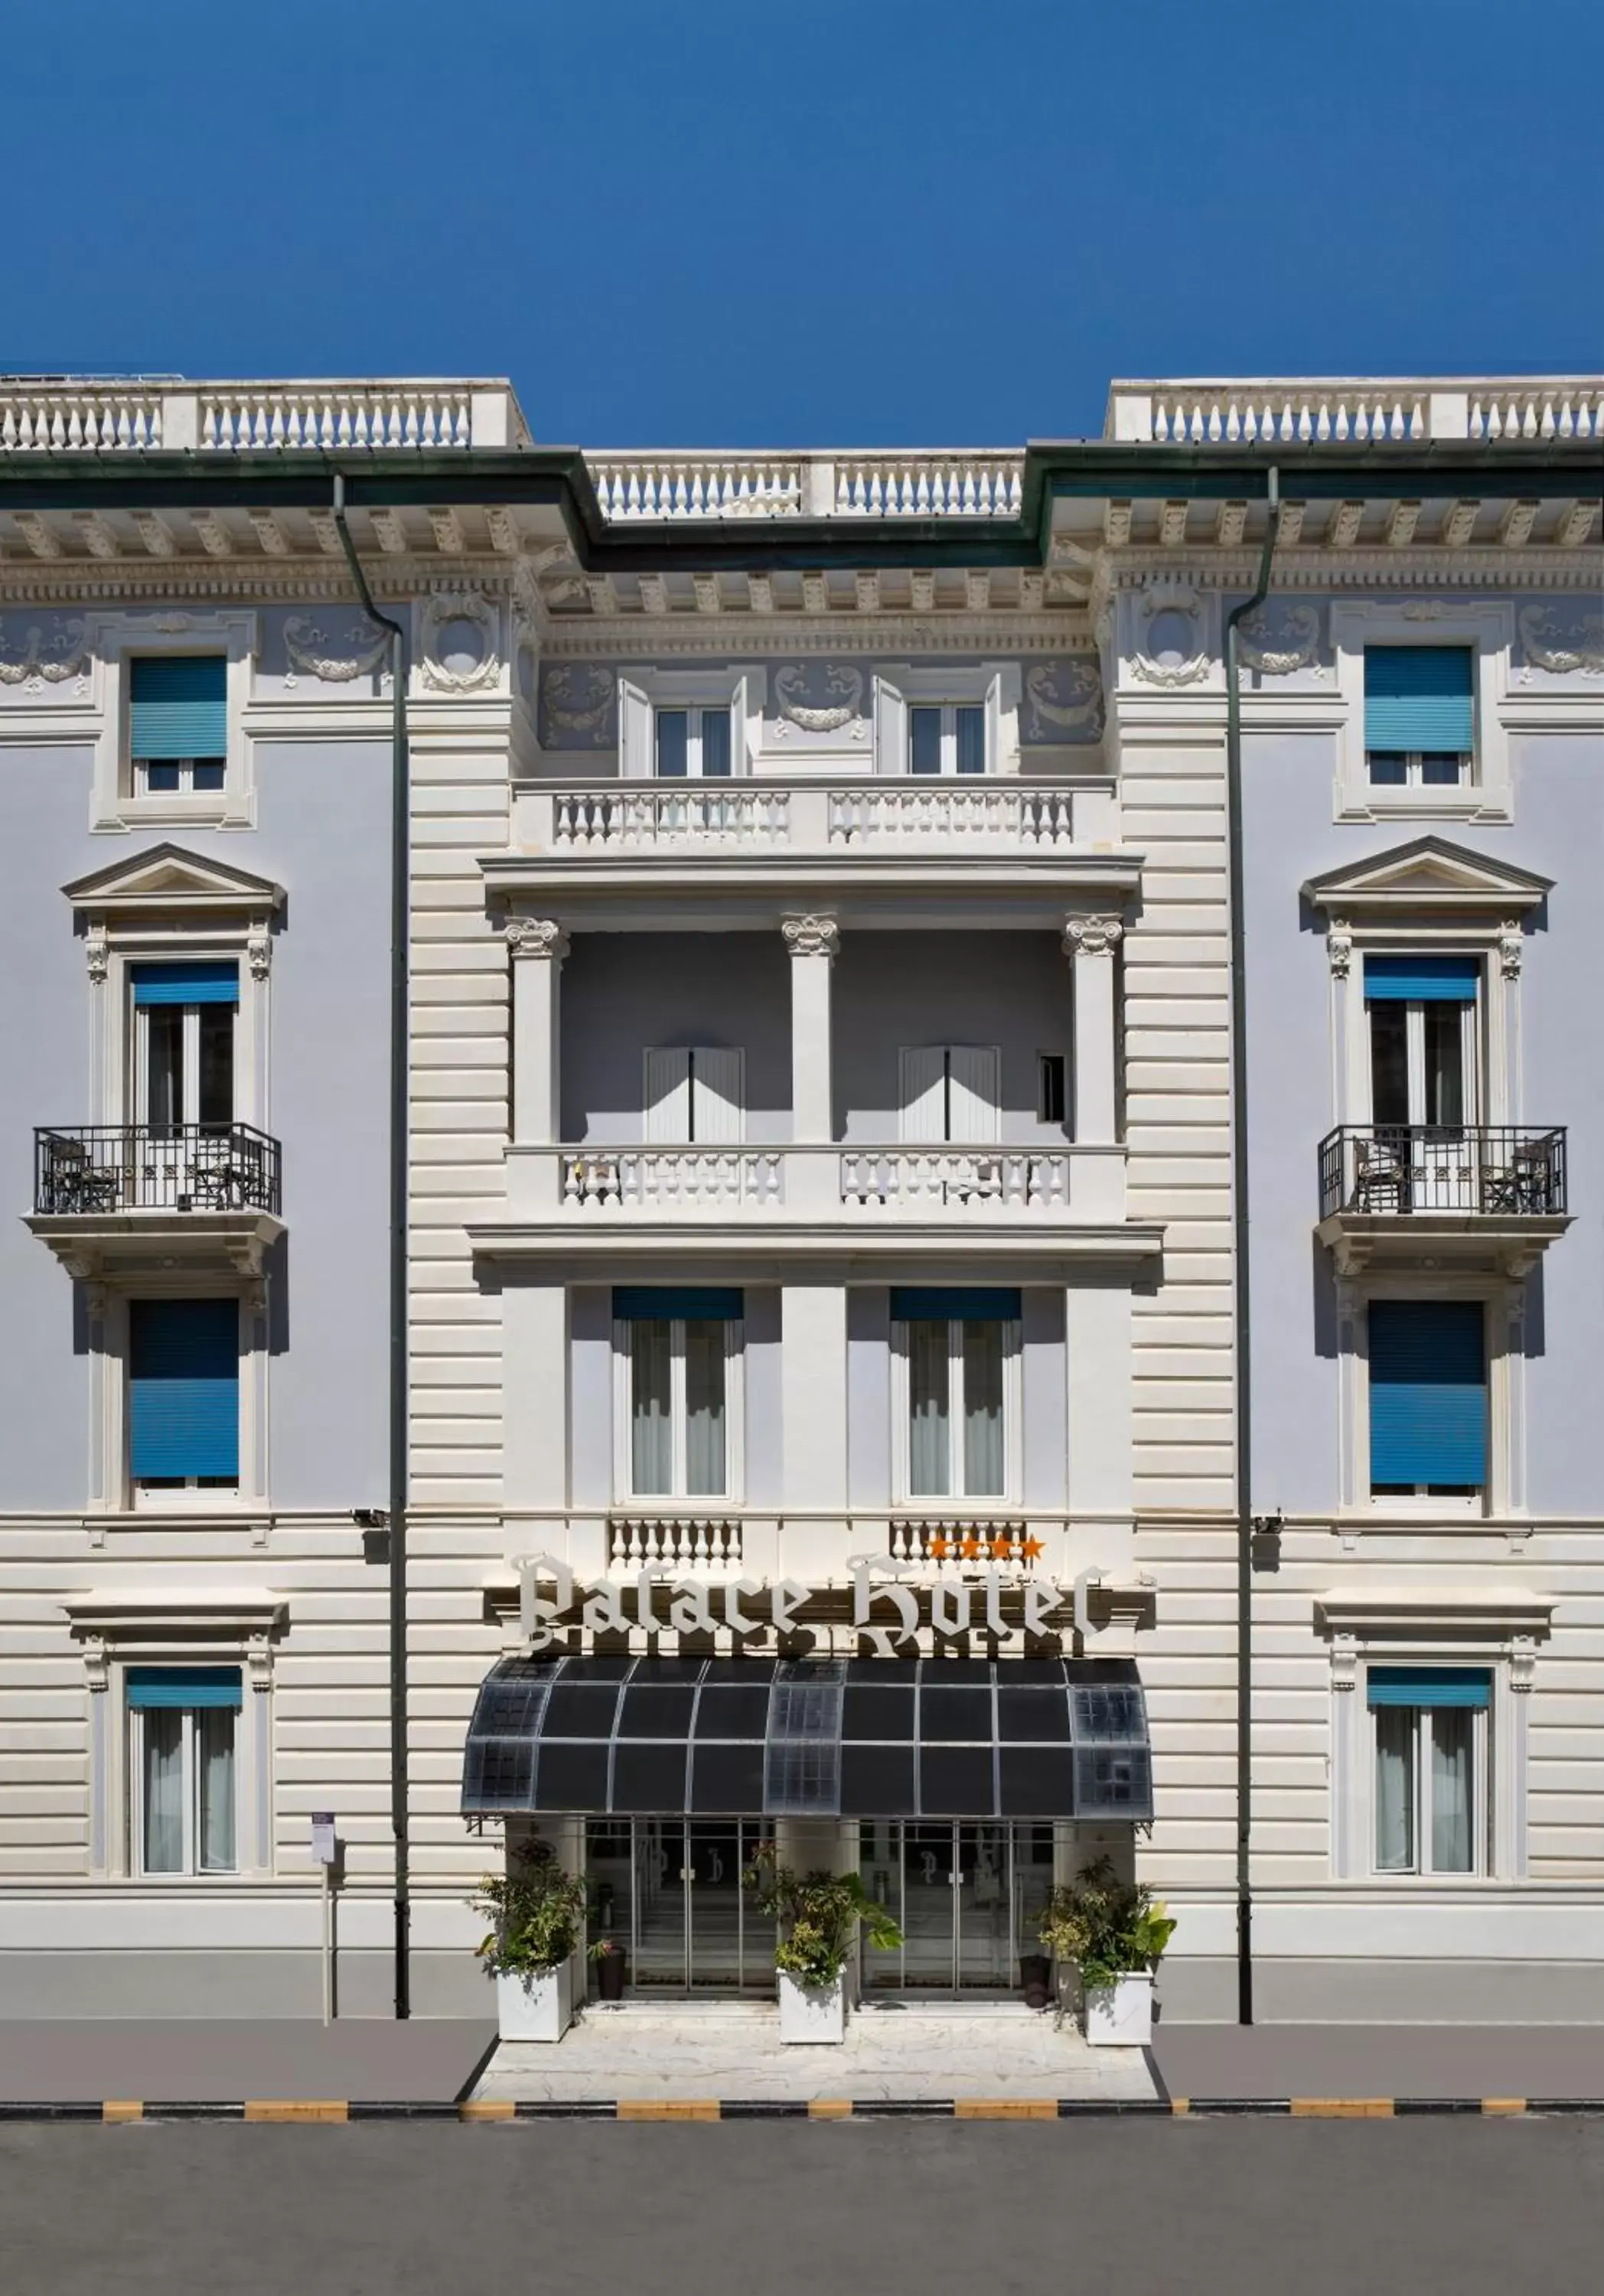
x,y
214,1775
650,1425
706,1450
1452,1739
929,1442
1396,1728
984,1472
163,1732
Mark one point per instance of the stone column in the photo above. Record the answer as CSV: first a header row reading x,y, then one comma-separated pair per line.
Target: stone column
x,y
538,947
1090,944
813,942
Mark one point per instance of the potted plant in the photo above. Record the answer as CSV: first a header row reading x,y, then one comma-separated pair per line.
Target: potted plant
x,y
1114,1933
819,1915
609,1957
536,1913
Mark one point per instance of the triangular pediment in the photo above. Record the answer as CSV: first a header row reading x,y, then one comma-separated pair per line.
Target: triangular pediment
x,y
167,877
1427,874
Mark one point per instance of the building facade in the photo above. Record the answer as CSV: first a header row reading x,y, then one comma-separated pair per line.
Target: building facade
x,y
824,1366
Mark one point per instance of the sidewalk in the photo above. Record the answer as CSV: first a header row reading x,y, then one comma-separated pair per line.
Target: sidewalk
x,y
204,2059
1381,2060
641,2055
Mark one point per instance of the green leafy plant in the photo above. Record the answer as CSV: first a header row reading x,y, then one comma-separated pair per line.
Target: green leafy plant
x,y
1108,1927
819,1914
536,1913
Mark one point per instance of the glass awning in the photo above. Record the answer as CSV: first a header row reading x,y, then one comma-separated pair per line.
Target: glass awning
x,y
971,1738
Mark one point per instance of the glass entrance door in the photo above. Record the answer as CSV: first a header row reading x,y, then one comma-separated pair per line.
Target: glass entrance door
x,y
668,1891
968,1897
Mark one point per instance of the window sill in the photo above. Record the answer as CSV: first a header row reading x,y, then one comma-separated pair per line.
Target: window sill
x,y
1469,801
225,808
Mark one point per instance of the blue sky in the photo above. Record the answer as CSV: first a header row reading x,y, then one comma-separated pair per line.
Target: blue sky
x,y
748,222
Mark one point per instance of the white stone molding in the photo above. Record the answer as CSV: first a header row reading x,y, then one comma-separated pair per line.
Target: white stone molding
x,y
476,621
808,935
1487,627
1169,618
333,658
111,640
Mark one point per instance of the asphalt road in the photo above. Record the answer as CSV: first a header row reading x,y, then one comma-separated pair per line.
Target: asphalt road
x,y
1162,2209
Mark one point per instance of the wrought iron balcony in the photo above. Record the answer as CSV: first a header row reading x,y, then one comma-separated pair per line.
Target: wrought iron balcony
x,y
1494,1172
111,1169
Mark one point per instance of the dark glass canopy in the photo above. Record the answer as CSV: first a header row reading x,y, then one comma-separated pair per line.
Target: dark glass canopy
x,y
976,1738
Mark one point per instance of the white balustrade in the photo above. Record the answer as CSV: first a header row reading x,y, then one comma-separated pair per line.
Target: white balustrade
x,y
698,1544
925,1178
286,416
904,812
1537,409
681,487
960,1539
108,419
672,1179
675,812
926,486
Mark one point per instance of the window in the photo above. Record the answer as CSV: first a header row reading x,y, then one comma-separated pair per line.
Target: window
x,y
183,1395
680,1351
958,1356
1428,1398
183,1726
695,1093
1052,1094
950,1093
1430,1726
693,743
947,737
183,1042
1418,714
1422,1026
177,723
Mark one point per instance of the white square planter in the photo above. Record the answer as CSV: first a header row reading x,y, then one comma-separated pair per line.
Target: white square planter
x,y
1120,2016
535,2009
811,2012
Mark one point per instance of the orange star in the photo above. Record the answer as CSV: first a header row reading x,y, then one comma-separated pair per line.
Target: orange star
x,y
1030,1549
971,1548
938,1549
1002,1548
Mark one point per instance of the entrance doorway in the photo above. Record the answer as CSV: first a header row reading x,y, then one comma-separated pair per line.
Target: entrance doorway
x,y
668,1891
967,1896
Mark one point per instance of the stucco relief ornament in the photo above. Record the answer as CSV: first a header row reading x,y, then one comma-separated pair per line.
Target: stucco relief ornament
x,y
841,689
97,955
1171,616
579,700
1511,948
1278,641
43,662
1339,950
461,629
1563,653
811,936
537,937
1092,936
1065,696
359,650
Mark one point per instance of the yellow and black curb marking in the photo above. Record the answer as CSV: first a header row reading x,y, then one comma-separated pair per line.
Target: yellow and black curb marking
x,y
313,2111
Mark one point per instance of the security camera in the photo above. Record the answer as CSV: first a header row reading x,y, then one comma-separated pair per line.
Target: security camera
x,y
370,1517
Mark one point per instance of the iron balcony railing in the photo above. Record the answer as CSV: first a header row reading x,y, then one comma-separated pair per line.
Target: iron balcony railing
x,y
155,1167
1513,1170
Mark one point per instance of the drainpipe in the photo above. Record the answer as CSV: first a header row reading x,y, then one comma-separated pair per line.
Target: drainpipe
x,y
400,885
1238,1175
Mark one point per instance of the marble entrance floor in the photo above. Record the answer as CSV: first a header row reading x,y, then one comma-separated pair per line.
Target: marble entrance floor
x,y
735,2052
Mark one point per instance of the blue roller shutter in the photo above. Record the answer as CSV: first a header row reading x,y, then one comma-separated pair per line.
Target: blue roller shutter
x,y
184,1388
1429,1686
178,706
645,1303
184,1686
1427,978
1427,1392
1419,698
954,1304
211,981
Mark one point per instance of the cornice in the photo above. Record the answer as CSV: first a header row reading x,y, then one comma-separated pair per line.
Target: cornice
x,y
1299,568
886,636
111,582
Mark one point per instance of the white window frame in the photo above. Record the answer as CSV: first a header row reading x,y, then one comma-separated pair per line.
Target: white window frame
x,y
1013,1448
996,686
140,1048
1414,768
112,1489
116,639
947,767
189,1869
1487,627
695,715
1481,1749
644,689
1503,1302
192,1494
1473,1064
679,1498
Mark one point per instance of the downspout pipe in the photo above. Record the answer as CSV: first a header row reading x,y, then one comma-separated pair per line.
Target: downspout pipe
x,y
400,894
1241,1270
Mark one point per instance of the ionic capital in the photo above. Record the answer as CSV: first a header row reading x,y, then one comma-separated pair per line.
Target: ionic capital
x,y
537,937
812,936
1092,936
